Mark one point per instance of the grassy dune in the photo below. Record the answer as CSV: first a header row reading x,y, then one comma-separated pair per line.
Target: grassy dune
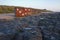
x,y
6,9
10,9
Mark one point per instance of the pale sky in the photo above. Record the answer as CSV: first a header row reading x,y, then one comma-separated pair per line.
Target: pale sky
x,y
40,4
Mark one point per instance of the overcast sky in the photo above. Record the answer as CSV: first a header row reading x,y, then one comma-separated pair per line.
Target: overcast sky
x,y
41,4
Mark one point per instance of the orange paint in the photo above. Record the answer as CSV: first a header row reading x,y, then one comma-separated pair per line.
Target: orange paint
x,y
21,12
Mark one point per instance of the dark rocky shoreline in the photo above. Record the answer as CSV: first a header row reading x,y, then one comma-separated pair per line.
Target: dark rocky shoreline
x,y
40,27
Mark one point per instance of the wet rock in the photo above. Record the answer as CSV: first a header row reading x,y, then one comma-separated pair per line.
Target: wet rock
x,y
31,27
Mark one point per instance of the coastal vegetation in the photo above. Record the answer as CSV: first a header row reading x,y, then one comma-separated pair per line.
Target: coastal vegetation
x,y
11,9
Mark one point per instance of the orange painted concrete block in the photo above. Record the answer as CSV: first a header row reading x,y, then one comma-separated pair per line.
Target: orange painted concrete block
x,y
21,12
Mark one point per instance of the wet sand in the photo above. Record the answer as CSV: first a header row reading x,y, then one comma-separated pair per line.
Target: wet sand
x,y
7,16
